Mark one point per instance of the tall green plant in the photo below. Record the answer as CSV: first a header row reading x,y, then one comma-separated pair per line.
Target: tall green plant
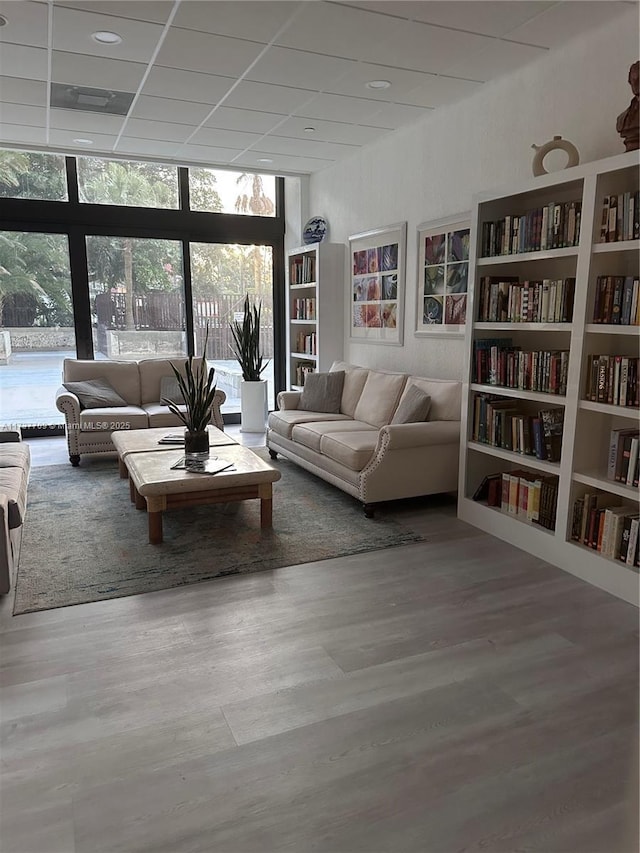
x,y
246,342
198,389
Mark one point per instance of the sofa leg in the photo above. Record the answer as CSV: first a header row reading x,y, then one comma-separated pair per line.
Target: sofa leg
x,y
368,510
74,459
273,453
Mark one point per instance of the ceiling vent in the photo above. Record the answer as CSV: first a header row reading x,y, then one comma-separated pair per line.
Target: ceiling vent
x,y
66,97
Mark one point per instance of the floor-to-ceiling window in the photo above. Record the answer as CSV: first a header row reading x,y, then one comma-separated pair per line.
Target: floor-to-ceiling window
x,y
125,260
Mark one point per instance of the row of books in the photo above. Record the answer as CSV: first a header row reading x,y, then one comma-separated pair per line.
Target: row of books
x,y
497,362
507,300
623,462
553,226
499,423
613,379
620,217
302,269
302,368
600,523
521,494
303,309
617,300
306,343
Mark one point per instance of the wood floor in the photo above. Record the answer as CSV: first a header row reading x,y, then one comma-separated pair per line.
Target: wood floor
x,y
454,695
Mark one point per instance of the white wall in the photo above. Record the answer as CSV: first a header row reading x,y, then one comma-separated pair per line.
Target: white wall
x,y
432,169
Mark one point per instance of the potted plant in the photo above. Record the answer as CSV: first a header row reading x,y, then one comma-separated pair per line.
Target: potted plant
x,y
197,388
246,347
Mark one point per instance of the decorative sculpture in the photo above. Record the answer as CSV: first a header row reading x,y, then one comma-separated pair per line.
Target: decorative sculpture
x,y
628,122
556,143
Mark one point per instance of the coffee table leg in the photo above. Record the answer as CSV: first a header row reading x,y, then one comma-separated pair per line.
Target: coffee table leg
x,y
132,491
122,469
140,502
155,506
265,493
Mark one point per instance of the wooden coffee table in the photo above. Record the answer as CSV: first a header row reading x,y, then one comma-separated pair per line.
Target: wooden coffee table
x,y
156,487
146,440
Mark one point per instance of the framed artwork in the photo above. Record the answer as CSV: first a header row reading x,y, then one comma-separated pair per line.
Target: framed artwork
x,y
377,282
443,276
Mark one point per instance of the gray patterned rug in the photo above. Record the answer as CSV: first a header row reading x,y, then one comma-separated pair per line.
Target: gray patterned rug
x,y
84,541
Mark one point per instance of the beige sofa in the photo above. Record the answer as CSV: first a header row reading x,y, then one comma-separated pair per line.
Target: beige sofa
x,y
360,451
15,465
89,430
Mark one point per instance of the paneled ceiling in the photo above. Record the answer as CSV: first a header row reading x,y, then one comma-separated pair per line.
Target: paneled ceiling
x,y
275,86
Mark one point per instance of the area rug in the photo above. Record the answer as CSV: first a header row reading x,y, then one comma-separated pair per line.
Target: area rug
x,y
84,541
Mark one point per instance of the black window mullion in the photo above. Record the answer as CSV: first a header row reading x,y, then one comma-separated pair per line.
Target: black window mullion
x,y
71,165
80,292
188,294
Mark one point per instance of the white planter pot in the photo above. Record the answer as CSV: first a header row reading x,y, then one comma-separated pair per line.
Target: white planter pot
x,y
253,406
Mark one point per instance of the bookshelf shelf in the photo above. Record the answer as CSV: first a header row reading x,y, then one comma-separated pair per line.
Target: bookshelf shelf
x,y
588,426
516,458
597,480
315,309
537,396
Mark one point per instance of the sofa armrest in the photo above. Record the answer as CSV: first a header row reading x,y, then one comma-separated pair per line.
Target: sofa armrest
x,y
68,404
288,399
397,436
11,435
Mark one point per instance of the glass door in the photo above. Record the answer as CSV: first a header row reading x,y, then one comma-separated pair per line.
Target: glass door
x,y
36,328
222,274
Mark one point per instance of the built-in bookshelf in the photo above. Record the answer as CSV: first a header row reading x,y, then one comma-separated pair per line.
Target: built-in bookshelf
x,y
552,332
315,303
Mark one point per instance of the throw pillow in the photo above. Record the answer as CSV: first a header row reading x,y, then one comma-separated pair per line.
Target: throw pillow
x,y
322,392
95,394
414,407
170,390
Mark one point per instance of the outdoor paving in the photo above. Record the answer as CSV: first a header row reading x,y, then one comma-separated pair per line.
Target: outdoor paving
x,y
28,386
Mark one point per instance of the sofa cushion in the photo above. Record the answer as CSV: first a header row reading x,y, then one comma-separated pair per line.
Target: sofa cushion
x,y
160,415
446,397
13,484
379,397
282,422
123,376
351,449
170,390
354,379
153,370
95,394
322,392
310,435
15,455
413,407
126,417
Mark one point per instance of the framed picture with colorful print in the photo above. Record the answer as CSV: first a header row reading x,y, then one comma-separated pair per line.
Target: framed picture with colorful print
x,y
377,283
443,276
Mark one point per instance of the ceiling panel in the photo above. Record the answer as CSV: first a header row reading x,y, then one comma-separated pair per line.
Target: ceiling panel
x,y
72,33
80,70
252,121
329,131
394,116
224,138
499,59
27,24
283,65
442,90
303,147
23,135
20,114
211,54
17,90
155,11
354,82
28,62
180,112
150,147
257,21
208,155
86,122
563,21
102,142
262,96
186,85
338,108
165,130
283,163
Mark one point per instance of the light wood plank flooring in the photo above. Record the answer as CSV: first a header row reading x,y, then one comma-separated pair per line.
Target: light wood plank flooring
x,y
453,695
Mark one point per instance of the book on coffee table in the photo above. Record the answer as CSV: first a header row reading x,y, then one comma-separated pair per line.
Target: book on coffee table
x,y
213,465
172,438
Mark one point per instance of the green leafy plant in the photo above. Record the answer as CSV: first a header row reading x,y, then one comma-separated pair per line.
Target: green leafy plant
x,y
246,342
198,389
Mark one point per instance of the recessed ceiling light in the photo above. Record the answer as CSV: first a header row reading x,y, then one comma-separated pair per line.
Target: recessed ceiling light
x,y
105,37
378,84
81,141
3,21
265,160
309,130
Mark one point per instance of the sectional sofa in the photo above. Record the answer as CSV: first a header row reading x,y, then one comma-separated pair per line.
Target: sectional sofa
x,y
15,465
137,383
359,449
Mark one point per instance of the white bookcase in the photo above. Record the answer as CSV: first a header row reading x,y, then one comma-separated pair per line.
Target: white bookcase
x,y
587,424
315,308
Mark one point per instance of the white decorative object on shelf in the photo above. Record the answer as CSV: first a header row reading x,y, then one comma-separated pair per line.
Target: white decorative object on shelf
x,y
555,144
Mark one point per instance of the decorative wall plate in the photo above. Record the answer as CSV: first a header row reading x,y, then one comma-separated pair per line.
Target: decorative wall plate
x,y
315,230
